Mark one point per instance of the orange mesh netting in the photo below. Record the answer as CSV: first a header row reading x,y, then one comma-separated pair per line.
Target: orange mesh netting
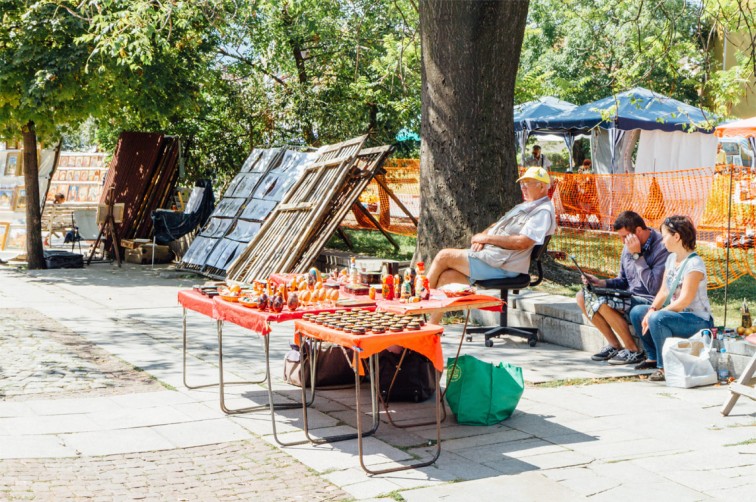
x,y
587,205
403,179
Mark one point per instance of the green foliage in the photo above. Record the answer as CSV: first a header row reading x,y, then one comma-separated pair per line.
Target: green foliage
x,y
122,63
373,243
42,71
588,48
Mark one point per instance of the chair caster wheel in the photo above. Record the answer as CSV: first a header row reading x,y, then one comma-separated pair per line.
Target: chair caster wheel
x,y
532,343
489,343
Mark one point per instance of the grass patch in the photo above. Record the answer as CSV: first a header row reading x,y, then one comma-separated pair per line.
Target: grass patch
x,y
373,243
395,495
572,382
743,443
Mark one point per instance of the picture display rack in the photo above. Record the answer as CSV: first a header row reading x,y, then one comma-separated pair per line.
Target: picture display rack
x,y
79,177
282,240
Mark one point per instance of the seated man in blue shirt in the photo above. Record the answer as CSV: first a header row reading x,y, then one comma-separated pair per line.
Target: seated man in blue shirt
x,y
641,273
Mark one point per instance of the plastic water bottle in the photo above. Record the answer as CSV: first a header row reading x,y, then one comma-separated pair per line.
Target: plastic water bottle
x,y
723,367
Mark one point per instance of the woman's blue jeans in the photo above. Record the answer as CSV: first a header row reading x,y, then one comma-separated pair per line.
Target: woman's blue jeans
x,y
663,324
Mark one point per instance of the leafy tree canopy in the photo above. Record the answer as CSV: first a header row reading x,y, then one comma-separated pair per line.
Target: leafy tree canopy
x,y
580,50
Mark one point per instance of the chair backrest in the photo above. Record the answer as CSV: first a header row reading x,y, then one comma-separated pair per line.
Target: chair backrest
x,y
535,257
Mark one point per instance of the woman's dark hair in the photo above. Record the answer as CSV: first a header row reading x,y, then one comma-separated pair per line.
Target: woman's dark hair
x,y
682,226
629,220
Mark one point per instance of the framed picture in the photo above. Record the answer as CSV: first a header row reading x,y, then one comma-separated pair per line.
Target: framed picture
x,y
94,194
19,203
85,161
16,238
73,193
6,199
14,164
78,161
83,193
4,229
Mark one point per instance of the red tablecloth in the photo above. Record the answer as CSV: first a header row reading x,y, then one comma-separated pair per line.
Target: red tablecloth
x,y
194,300
426,340
436,302
259,321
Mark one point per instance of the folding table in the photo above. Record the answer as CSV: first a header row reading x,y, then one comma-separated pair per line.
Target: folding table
x,y
426,341
745,384
195,301
439,303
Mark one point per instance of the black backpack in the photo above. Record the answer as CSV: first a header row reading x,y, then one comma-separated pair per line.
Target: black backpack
x,y
414,382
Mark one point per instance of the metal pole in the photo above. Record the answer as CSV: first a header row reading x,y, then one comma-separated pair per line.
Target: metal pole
x,y
728,243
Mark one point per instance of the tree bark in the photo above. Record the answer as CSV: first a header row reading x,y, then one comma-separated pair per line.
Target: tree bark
x,y
34,251
468,168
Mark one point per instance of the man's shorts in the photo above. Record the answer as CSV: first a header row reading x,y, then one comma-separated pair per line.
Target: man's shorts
x,y
621,305
482,271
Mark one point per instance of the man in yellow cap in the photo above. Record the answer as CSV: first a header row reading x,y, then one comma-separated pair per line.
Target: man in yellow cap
x,y
503,249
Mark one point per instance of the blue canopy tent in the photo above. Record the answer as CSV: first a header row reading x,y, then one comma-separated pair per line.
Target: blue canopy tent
x,y
526,113
635,109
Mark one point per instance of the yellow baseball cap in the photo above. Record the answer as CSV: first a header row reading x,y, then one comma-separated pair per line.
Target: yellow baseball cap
x,y
536,173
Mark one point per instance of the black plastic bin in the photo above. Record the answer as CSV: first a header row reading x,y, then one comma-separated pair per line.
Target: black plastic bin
x,y
63,259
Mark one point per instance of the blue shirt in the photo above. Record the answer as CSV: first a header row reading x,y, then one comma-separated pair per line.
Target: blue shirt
x,y
644,276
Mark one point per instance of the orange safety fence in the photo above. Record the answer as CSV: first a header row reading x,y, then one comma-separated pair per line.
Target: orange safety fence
x,y
403,179
587,205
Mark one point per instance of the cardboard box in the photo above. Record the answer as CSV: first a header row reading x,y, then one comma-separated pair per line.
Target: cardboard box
x,y
134,243
143,254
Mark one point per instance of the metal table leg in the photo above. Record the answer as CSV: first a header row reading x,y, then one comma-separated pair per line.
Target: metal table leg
x,y
222,385
438,389
305,418
404,467
184,373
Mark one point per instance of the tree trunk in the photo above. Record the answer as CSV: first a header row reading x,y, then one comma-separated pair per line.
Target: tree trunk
x,y
468,168
34,252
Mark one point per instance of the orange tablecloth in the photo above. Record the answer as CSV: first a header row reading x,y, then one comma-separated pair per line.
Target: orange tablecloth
x,y
426,340
194,300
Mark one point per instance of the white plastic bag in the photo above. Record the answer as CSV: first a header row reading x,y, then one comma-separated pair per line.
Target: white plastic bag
x,y
686,362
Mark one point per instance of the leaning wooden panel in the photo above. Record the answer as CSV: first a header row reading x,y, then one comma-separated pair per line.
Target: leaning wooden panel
x,y
298,218
284,235
368,162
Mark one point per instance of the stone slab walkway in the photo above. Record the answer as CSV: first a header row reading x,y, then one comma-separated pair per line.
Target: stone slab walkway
x,y
568,441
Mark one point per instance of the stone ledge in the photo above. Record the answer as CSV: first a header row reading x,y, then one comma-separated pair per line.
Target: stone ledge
x,y
560,322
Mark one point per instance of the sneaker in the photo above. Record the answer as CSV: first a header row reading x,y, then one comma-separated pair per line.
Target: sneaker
x,y
646,365
606,353
657,376
626,356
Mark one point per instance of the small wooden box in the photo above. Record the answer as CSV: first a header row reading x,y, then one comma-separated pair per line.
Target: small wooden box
x,y
357,289
143,254
134,243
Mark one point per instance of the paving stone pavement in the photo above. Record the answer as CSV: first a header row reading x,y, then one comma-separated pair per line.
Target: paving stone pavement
x,y
42,358
616,441
242,470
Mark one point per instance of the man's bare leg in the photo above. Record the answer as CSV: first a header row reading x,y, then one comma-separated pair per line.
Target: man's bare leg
x,y
619,325
449,276
448,259
600,322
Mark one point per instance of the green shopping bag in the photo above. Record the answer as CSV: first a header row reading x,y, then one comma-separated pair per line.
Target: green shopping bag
x,y
480,393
